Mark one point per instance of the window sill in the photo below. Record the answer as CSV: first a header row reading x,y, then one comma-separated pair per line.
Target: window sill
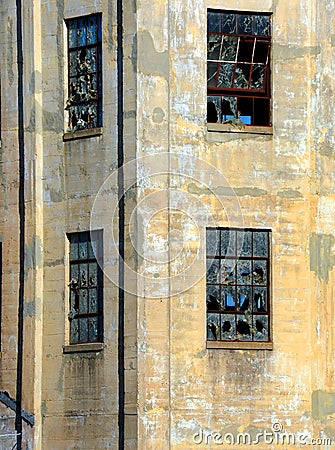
x,y
81,134
245,345
79,348
247,129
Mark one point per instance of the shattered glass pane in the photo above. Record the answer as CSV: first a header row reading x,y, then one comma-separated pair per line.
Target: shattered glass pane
x,y
260,243
214,46
74,274
228,23
225,78
92,37
228,242
241,80
229,106
93,280
93,247
262,25
83,246
93,300
83,330
213,298
212,271
84,101
260,272
212,242
73,34
213,327
91,63
228,326
73,246
228,271
260,299
213,22
83,303
229,48
93,323
257,77
74,331
228,298
243,329
74,300
213,108
212,70
244,243
244,272
244,24
81,33
83,275
261,328
244,298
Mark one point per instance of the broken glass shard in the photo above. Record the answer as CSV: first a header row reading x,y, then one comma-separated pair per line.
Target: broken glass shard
x,y
212,271
262,25
225,78
228,327
241,79
229,23
229,48
257,77
260,272
213,22
213,299
260,243
213,327
261,328
214,46
244,24
212,242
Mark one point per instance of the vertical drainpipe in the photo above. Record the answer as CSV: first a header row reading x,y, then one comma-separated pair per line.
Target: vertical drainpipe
x,y
19,365
121,384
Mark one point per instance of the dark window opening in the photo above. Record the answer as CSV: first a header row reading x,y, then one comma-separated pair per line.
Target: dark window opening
x,y
86,287
84,103
238,68
238,284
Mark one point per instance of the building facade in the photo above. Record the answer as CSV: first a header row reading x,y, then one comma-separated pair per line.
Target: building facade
x,y
166,227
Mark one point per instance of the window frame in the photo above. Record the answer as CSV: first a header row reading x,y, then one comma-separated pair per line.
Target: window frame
x,y
246,95
93,257
235,342
84,131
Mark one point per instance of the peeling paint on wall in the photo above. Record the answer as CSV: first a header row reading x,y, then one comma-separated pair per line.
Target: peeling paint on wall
x,y
322,260
151,62
323,404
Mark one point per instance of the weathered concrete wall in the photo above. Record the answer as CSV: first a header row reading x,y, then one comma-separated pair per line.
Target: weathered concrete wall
x,y
282,181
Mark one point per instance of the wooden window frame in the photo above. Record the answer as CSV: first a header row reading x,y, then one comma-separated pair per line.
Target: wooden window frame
x,y
75,102
240,107
234,312
80,292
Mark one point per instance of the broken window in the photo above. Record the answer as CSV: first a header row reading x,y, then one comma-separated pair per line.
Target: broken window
x,y
238,68
84,102
238,277
86,287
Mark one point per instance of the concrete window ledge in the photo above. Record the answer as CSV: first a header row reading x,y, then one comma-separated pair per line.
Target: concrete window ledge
x,y
81,134
248,129
78,348
240,345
